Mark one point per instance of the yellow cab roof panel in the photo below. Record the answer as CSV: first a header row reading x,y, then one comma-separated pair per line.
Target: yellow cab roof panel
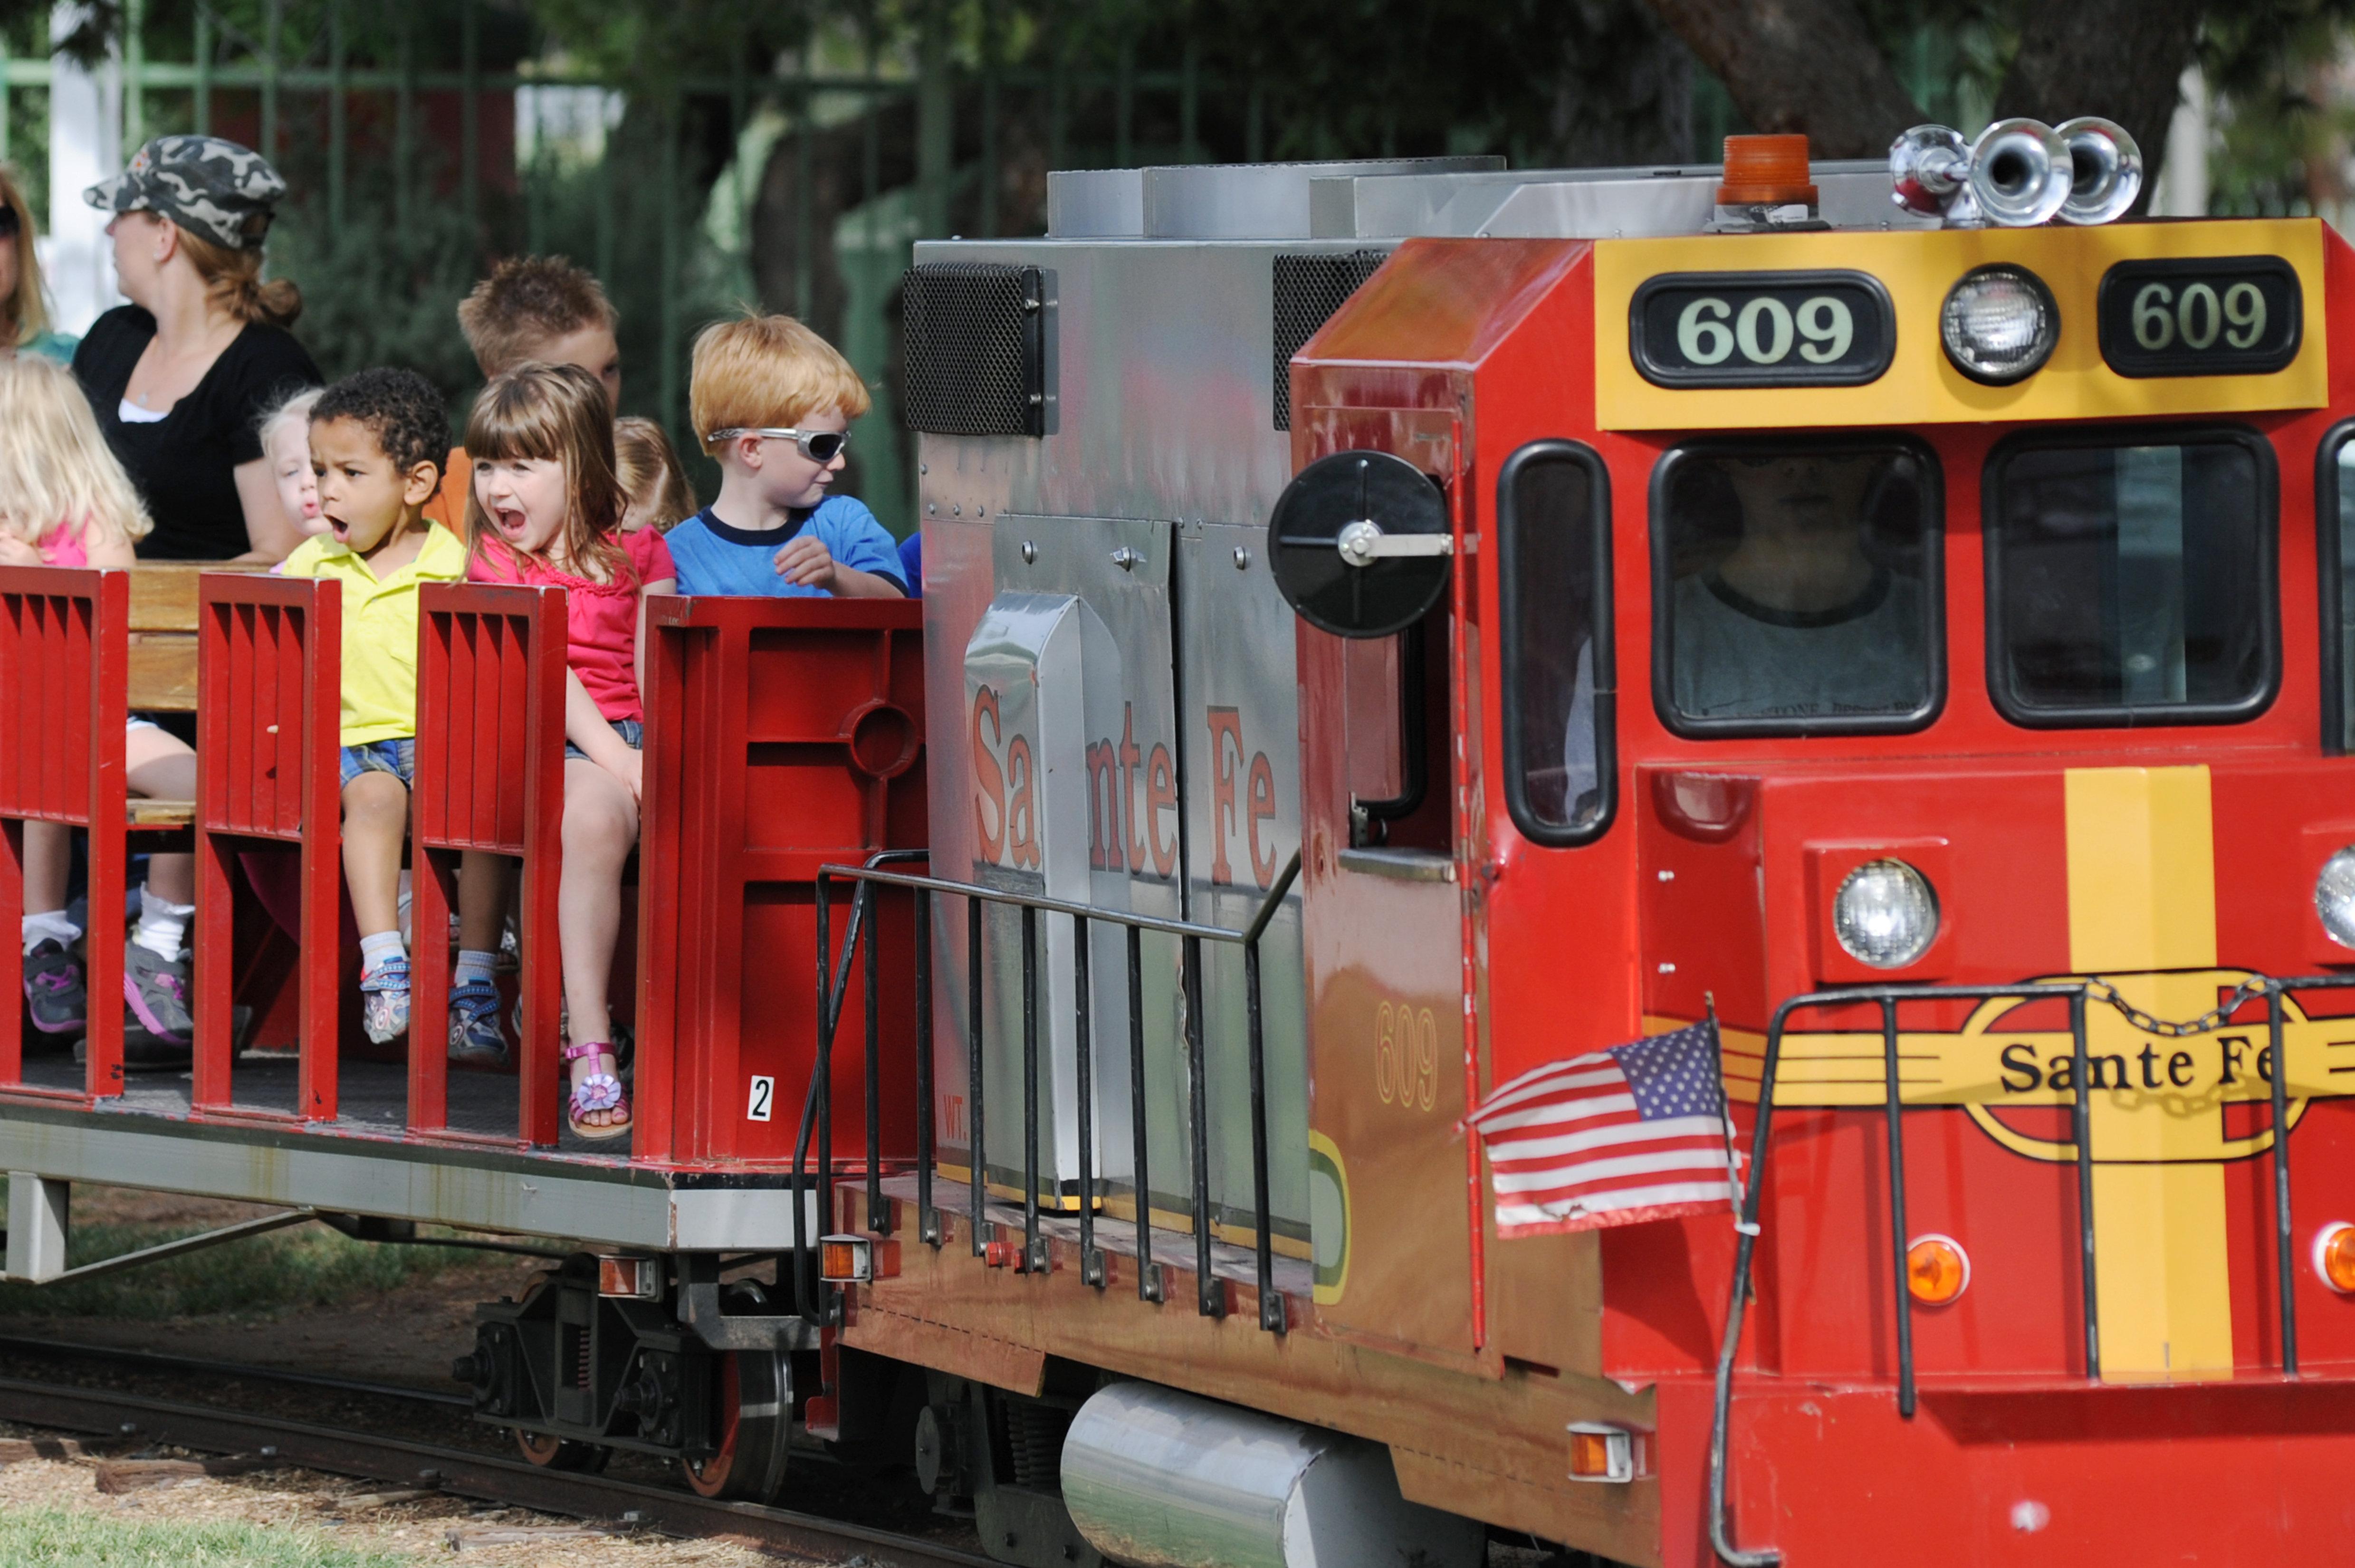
x,y
1920,385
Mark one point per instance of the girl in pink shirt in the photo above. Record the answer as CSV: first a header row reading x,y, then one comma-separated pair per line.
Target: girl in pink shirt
x,y
66,502
545,507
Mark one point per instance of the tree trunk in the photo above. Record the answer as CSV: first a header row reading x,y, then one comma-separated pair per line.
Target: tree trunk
x,y
2120,58
1800,65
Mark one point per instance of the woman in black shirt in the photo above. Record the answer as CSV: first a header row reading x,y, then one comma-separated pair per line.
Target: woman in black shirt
x,y
180,376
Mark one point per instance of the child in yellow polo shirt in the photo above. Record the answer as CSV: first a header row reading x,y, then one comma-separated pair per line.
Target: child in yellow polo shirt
x,y
376,441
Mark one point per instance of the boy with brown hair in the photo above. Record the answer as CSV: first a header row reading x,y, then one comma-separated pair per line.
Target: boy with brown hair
x,y
772,402
530,308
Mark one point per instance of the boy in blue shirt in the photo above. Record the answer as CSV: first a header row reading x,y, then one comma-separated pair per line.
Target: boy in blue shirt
x,y
772,403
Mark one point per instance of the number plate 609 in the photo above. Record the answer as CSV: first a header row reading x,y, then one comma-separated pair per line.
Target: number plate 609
x,y
2206,316
1762,329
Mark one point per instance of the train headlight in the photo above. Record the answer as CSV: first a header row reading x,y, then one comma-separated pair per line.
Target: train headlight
x,y
2333,897
2000,324
2334,1256
1886,914
1937,1270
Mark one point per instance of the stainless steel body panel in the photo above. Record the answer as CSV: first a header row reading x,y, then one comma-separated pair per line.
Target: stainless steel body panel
x,y
1167,429
1589,204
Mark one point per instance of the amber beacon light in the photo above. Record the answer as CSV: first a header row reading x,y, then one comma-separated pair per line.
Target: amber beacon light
x,y
1766,183
1937,1270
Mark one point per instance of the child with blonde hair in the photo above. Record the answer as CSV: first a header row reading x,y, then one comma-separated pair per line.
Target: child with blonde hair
x,y
652,482
287,447
773,401
545,507
66,502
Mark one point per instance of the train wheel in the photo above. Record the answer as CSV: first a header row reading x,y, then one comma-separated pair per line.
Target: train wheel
x,y
552,1453
756,1407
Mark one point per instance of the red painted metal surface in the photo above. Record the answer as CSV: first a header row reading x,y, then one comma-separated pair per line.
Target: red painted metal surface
x,y
490,777
782,735
64,653
269,708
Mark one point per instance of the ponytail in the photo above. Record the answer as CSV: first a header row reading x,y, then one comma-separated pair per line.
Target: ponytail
x,y
234,279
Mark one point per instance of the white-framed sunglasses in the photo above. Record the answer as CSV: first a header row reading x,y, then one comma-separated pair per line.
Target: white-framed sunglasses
x,y
817,445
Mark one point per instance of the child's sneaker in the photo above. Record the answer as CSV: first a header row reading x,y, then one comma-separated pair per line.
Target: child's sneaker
x,y
54,994
157,990
384,1000
475,1037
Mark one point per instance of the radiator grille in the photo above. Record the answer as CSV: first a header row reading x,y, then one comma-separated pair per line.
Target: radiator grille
x,y
975,356
1308,290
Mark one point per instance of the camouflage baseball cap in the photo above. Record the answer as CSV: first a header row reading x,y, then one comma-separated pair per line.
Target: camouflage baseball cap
x,y
207,184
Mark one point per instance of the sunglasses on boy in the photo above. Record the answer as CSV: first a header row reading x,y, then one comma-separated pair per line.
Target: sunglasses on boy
x,y
817,445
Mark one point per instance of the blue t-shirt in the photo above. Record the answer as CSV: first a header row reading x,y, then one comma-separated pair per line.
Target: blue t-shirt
x,y
912,563
715,559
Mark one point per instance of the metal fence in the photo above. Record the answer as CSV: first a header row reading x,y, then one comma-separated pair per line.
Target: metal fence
x,y
362,93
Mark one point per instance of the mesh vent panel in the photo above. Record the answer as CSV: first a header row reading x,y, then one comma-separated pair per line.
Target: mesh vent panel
x,y
976,362
1308,290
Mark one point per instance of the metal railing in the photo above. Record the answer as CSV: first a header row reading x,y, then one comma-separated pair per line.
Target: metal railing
x,y
2077,994
817,1108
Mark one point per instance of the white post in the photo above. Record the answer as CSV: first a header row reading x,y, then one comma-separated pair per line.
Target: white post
x,y
37,1211
85,147
2183,168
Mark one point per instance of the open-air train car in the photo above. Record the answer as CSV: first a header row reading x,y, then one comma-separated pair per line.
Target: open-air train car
x,y
1389,627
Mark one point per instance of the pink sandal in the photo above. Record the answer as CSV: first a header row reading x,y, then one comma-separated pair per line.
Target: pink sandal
x,y
598,1091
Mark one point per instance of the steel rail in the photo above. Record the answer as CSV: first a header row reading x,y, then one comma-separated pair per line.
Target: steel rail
x,y
511,1481
68,1349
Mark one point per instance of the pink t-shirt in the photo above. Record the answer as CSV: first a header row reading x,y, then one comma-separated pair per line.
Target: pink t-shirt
x,y
63,547
601,619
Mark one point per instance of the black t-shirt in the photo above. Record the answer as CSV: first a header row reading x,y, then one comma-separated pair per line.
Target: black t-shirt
x,y
182,465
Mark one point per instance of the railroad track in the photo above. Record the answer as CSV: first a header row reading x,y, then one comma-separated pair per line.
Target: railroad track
x,y
207,1429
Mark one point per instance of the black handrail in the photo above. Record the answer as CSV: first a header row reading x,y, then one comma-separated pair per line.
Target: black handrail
x,y
2077,993
1210,1294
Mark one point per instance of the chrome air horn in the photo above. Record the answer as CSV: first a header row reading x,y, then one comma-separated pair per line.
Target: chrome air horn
x,y
2107,169
2016,174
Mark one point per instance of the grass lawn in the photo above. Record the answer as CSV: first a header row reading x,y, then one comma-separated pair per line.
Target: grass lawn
x,y
304,1266
66,1538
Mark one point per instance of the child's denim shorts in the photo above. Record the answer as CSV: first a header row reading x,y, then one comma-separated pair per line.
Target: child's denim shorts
x,y
398,758
633,734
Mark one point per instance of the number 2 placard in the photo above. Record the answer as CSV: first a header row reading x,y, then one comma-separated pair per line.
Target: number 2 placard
x,y
1762,329
2210,315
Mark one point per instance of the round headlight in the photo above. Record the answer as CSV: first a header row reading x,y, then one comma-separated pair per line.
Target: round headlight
x,y
2333,897
1886,914
2000,324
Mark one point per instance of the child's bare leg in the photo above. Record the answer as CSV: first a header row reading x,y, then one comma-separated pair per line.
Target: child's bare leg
x,y
482,879
375,824
160,766
600,825
376,820
48,861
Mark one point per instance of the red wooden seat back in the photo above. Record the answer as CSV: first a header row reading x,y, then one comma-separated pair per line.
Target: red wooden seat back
x,y
64,639
781,735
490,776
269,711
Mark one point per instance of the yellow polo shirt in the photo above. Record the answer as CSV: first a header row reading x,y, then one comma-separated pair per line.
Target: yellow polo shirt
x,y
379,629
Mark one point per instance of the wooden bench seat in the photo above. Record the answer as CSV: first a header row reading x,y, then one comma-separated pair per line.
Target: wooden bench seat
x,y
162,676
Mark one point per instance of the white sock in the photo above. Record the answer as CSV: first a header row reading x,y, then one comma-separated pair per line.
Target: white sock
x,y
384,945
50,925
163,927
473,966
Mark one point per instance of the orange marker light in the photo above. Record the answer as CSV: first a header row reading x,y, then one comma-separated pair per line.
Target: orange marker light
x,y
854,1260
1599,1453
1937,1270
2334,1256
637,1279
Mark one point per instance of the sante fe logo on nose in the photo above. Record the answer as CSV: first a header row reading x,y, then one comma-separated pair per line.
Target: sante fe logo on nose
x,y
2017,1052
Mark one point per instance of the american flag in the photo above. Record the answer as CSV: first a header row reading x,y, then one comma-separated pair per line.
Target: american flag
x,y
1614,1137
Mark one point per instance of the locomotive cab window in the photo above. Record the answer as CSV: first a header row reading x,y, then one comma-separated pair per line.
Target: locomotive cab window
x,y
2335,494
1553,511
1797,588
2131,580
